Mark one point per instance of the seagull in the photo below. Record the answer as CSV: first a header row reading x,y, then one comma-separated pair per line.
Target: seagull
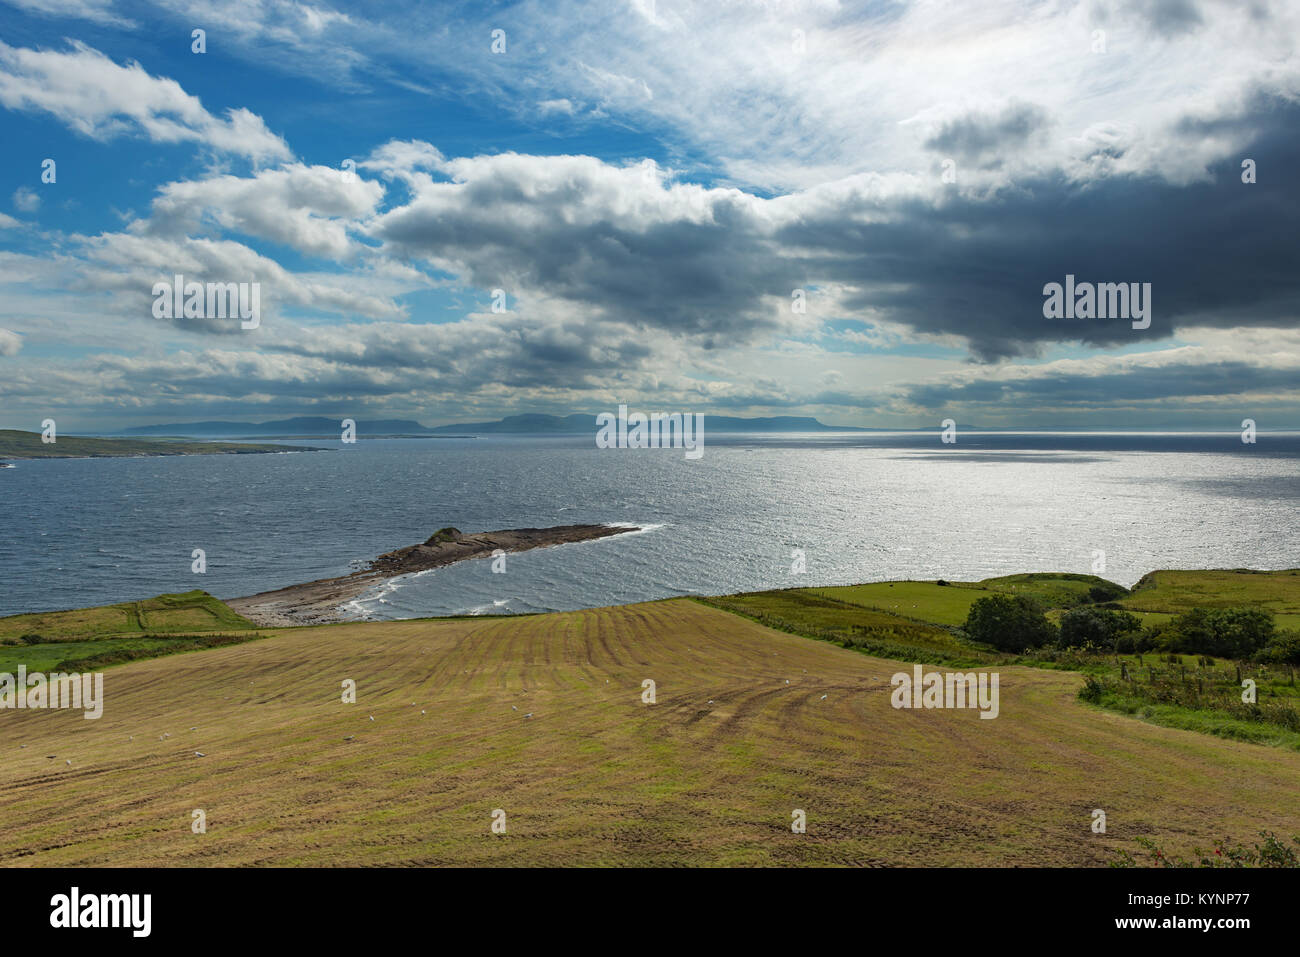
x,y
823,697
710,702
349,737
372,717
69,763
194,729
528,715
22,745
421,711
787,680
513,708
199,754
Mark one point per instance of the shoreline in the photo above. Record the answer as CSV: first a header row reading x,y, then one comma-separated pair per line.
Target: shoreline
x,y
18,446
320,602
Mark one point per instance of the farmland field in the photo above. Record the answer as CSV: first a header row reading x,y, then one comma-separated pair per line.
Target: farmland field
x,y
707,775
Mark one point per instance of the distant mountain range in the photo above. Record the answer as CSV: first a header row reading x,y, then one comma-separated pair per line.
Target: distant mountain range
x,y
313,426
586,422
305,425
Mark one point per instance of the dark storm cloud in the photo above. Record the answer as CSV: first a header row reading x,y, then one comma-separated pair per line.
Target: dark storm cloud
x,y
1170,18
1142,383
1219,253
712,266
976,136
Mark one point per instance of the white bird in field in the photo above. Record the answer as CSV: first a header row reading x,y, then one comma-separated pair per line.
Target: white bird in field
x,y
22,745
710,702
787,680
194,729
528,715
421,711
823,697
372,717
199,754
349,737
67,762
513,708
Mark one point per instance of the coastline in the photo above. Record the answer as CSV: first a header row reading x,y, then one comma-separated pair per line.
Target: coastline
x,y
320,602
28,446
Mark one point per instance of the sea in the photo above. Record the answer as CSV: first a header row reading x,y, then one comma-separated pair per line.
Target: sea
x,y
755,511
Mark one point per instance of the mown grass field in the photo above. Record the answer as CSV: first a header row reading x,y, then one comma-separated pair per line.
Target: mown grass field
x,y
708,775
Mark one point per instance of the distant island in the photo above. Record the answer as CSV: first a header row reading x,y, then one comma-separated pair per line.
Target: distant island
x,y
317,602
526,424
15,444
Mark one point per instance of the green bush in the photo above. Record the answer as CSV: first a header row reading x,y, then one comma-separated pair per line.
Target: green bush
x,y
1237,633
1273,852
1009,623
1100,626
1284,649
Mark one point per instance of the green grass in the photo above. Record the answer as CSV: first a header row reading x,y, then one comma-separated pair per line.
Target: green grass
x,y
1173,592
70,656
922,601
1204,720
109,634
1052,589
28,445
183,611
883,634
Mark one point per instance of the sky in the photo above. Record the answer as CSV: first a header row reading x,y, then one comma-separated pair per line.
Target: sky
x,y
457,211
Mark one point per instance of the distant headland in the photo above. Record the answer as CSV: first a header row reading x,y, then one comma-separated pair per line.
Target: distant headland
x,y
15,444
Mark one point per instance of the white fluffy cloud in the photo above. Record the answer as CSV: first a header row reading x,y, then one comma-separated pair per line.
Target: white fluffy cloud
x,y
308,208
96,97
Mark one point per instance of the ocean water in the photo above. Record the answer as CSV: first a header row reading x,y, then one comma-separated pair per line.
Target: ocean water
x,y
861,506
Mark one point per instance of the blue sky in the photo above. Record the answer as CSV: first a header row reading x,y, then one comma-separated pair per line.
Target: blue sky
x,y
652,185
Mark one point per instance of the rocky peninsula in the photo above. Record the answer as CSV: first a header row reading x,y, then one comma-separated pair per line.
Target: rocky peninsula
x,y
318,602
